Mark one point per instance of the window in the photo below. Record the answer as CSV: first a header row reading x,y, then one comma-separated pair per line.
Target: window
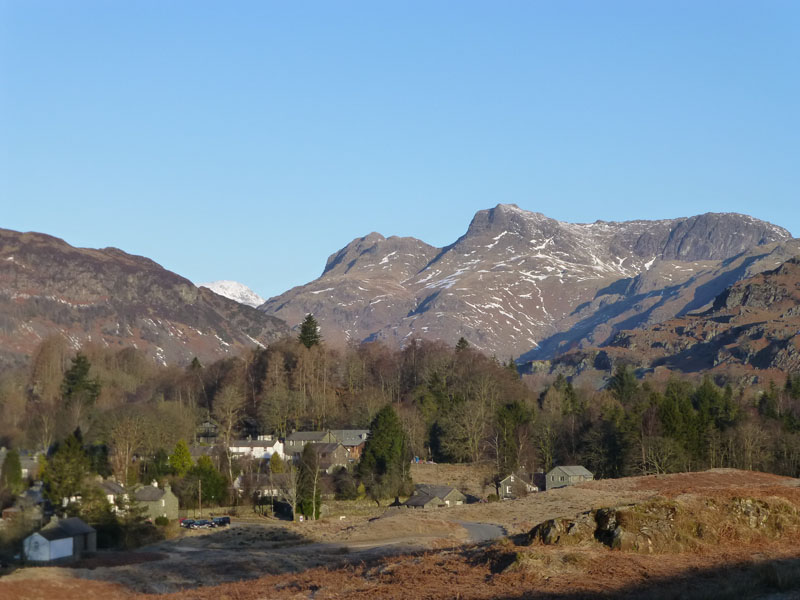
x,y
162,502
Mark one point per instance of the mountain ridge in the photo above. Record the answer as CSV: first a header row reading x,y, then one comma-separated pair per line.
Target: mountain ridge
x,y
110,297
514,277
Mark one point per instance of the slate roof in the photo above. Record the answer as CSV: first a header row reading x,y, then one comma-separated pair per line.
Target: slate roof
x,y
306,436
66,528
350,437
574,471
148,493
253,443
440,491
325,447
422,500
112,487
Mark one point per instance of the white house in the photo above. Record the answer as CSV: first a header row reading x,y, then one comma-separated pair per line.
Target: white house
x,y
114,493
68,538
261,448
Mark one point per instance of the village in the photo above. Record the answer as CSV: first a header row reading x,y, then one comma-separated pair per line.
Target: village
x,y
258,492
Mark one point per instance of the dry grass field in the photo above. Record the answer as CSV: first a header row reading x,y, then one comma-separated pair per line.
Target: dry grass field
x,y
728,534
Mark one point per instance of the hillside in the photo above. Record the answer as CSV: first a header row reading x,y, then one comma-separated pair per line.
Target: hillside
x,y
113,298
753,325
722,533
519,283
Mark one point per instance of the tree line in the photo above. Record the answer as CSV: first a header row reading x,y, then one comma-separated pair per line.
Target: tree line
x,y
451,404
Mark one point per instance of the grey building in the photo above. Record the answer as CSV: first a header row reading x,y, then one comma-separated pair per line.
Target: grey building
x,y
159,502
515,485
296,441
563,476
433,496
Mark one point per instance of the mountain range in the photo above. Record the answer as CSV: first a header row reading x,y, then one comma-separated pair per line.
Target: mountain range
x,y
516,284
519,284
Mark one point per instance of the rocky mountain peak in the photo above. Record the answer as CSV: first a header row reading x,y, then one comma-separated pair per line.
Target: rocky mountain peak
x,y
519,280
394,257
715,236
235,291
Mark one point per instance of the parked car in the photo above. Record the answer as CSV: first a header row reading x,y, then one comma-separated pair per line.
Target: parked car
x,y
221,521
202,524
187,523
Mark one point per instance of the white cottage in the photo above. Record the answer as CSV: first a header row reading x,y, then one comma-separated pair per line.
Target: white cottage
x,y
260,448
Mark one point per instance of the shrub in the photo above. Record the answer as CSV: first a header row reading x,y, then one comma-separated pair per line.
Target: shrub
x,y
162,521
492,498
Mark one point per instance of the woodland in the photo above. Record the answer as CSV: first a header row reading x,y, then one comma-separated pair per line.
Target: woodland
x,y
134,418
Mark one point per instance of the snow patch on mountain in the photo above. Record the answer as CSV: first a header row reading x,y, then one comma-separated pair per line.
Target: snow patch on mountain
x,y
235,291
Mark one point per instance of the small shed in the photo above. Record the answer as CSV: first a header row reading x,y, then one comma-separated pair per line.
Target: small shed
x,y
563,476
66,539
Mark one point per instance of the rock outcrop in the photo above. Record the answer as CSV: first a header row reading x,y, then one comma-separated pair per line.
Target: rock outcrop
x,y
668,525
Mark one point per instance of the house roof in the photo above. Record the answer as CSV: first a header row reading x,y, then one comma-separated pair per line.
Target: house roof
x,y
306,436
521,476
325,447
66,528
422,500
112,487
197,451
573,471
351,437
440,491
253,443
148,493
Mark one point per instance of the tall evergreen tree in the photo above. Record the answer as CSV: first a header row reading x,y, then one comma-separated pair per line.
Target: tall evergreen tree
x,y
623,385
12,474
383,466
180,461
309,483
309,332
77,386
65,470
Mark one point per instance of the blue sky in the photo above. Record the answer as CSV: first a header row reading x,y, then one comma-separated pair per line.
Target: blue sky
x,y
250,140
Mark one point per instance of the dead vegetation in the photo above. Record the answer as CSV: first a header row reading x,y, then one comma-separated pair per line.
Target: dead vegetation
x,y
718,534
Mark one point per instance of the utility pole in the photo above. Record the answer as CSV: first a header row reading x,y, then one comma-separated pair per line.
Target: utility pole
x,y
200,495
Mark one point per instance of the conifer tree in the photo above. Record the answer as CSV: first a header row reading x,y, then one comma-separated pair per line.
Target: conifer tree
x,y
77,386
309,332
309,486
65,470
181,459
12,474
383,463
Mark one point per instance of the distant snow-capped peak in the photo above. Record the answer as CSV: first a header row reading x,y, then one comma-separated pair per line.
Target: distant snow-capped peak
x,y
235,291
